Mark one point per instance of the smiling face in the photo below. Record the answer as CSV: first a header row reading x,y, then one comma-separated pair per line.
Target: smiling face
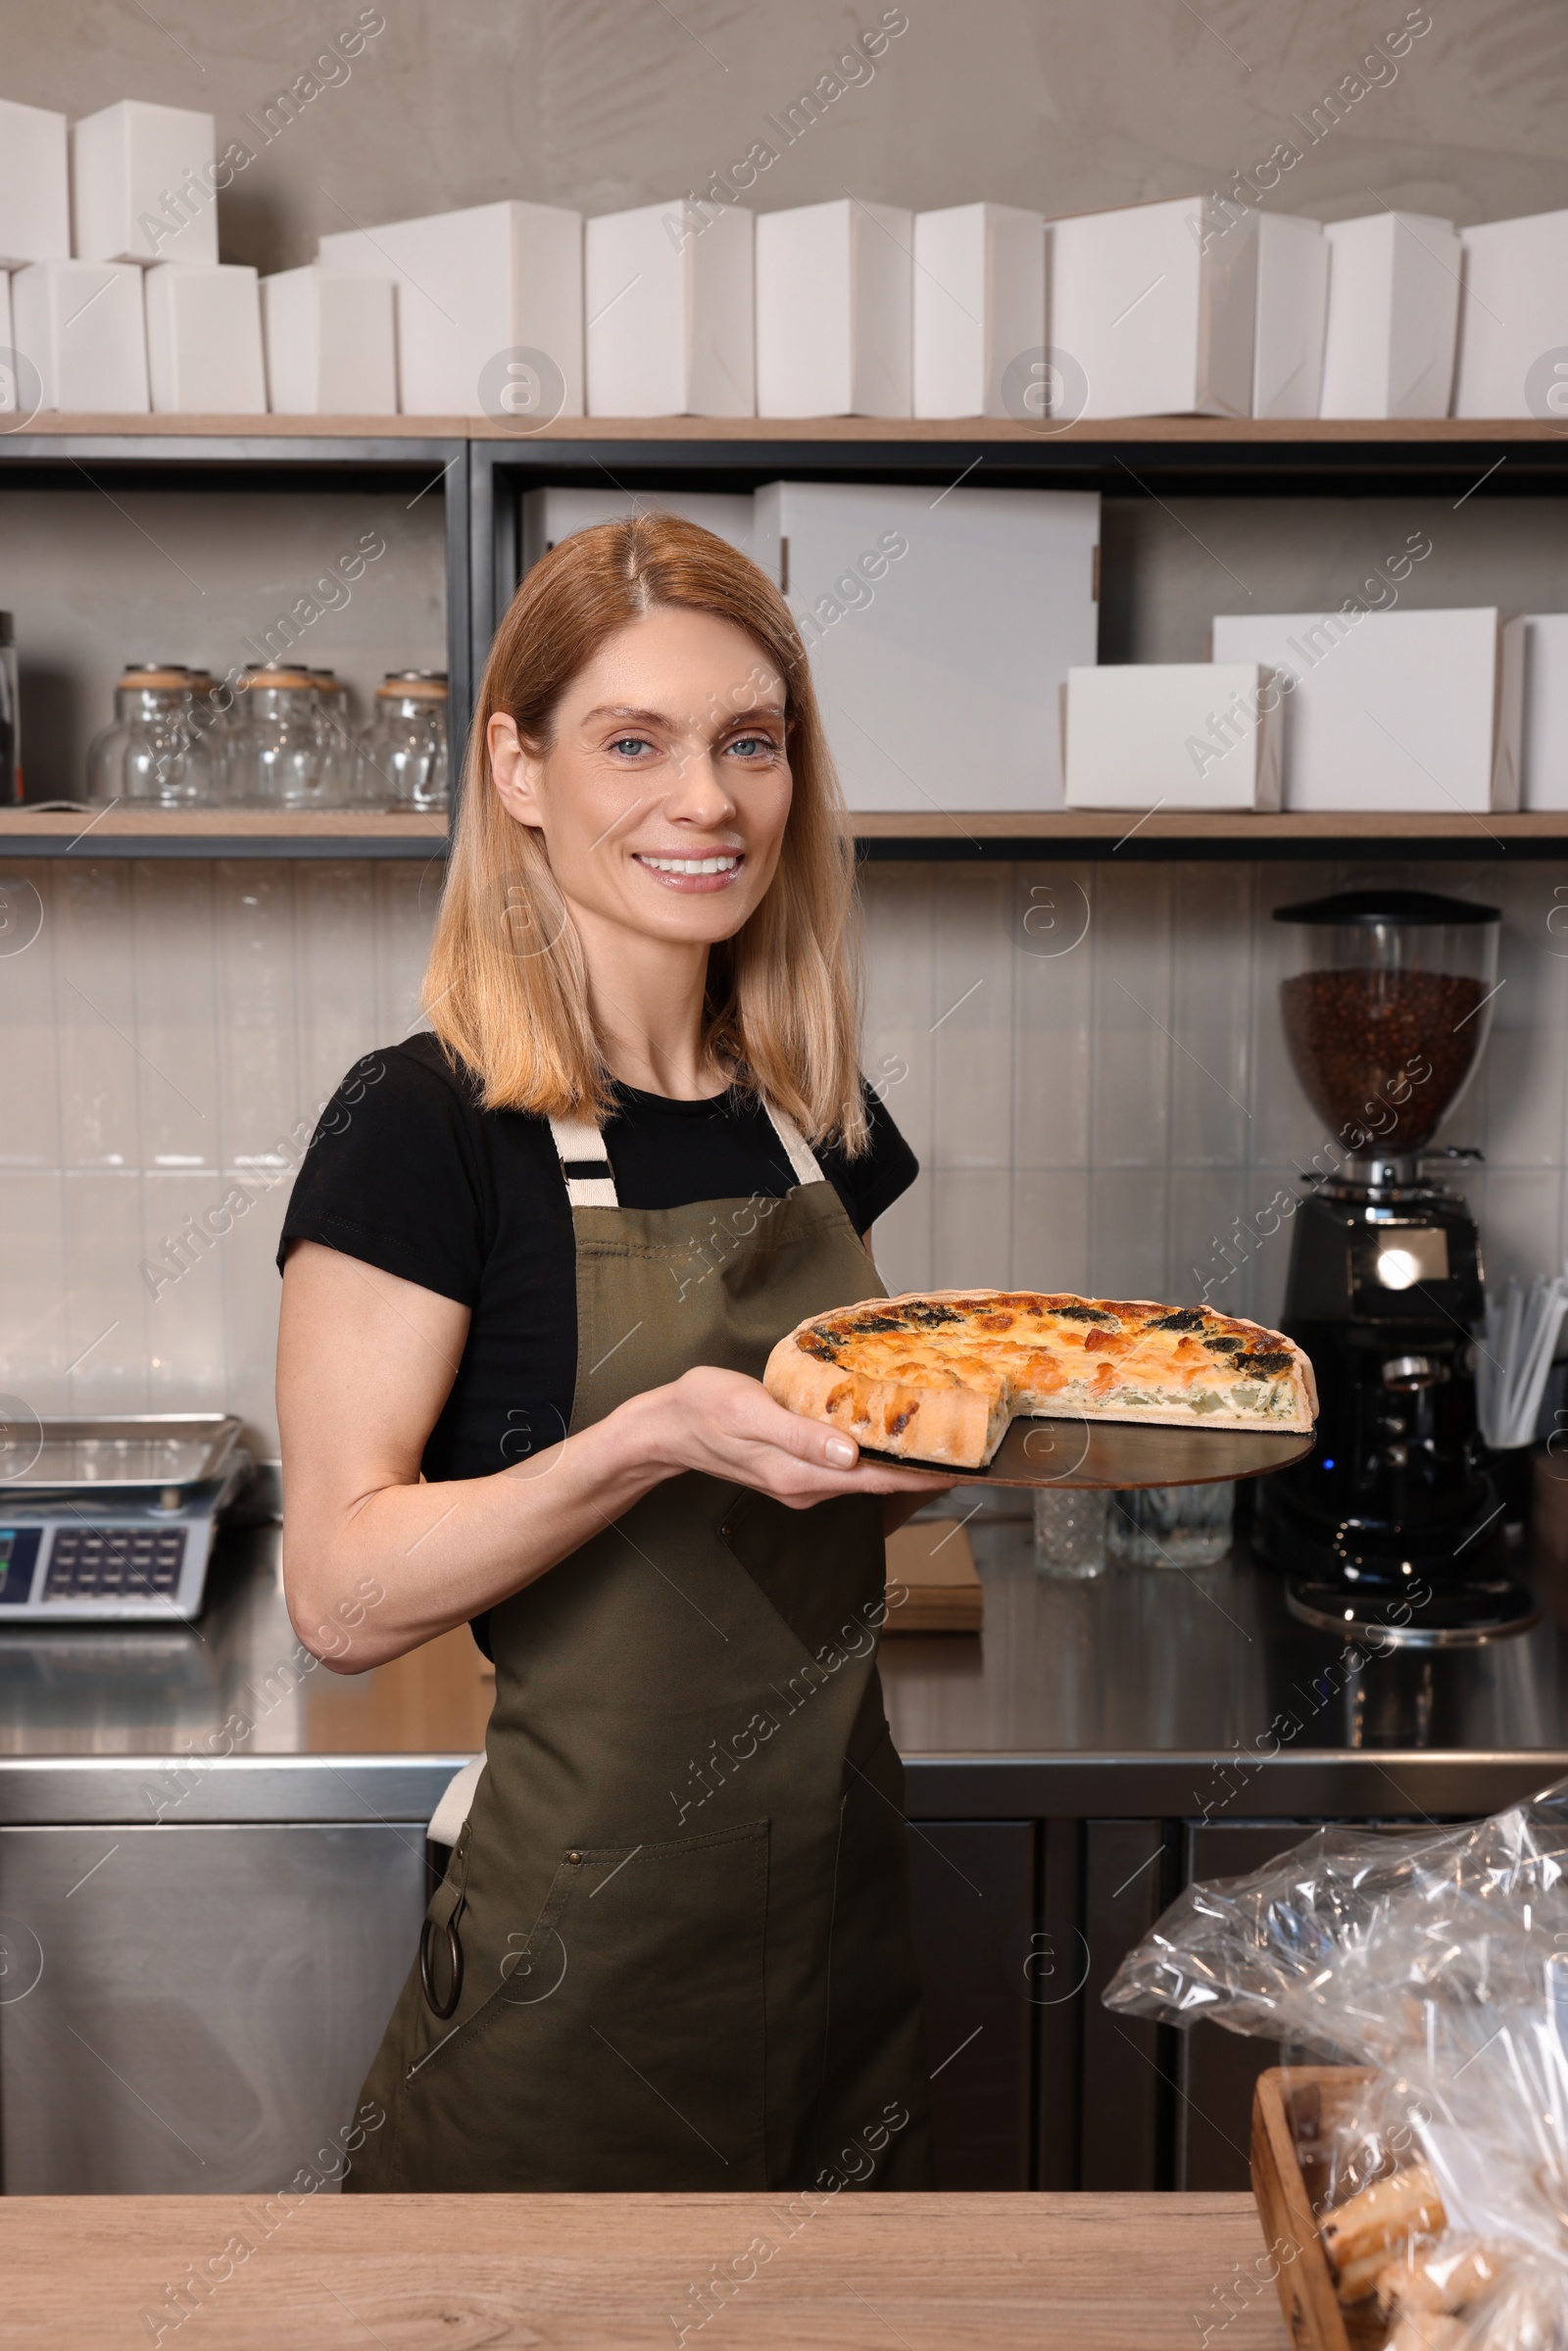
x,y
664,790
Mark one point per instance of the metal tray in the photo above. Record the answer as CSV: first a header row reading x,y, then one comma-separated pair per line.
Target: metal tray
x,y
1124,1453
172,1452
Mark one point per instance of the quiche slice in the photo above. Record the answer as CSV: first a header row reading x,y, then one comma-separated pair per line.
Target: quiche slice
x,y
937,1376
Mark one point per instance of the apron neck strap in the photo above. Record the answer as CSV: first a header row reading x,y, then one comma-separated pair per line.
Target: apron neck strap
x,y
590,1179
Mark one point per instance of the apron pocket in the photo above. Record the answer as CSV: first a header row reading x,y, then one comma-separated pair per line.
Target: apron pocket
x,y
623,2045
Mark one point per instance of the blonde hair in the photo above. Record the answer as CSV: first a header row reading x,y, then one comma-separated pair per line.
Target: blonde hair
x,y
507,988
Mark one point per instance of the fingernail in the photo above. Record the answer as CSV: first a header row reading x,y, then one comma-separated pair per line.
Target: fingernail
x,y
840,1453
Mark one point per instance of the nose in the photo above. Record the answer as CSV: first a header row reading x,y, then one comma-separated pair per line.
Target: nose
x,y
699,796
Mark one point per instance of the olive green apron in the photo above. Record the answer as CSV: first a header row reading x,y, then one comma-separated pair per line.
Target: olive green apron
x,y
677,1918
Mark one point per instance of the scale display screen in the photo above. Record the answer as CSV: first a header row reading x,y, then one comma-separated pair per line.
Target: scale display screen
x,y
18,1550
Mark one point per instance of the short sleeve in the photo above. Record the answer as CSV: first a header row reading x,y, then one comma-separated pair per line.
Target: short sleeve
x,y
883,1172
395,1176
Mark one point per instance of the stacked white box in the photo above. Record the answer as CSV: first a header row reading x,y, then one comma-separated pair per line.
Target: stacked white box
x,y
833,310
669,297
1513,315
940,633
204,340
1411,712
34,185
1545,758
979,303
142,184
1392,317
473,288
551,516
330,340
1174,735
1293,295
1153,305
81,324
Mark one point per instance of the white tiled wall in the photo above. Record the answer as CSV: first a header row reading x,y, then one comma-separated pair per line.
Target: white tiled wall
x,y
164,1026
1088,1062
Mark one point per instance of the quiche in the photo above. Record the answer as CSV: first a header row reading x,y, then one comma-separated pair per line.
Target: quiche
x,y
937,1376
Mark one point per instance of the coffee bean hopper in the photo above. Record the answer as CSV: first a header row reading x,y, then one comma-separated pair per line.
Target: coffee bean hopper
x,y
1391,1527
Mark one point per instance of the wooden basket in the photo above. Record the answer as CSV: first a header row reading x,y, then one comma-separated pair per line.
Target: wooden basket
x,y
1293,2107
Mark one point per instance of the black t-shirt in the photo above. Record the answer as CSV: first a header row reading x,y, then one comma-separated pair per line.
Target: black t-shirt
x,y
407,1172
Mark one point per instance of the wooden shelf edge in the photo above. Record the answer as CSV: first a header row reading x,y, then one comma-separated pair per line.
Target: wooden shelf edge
x,y
1209,824
219,824
1259,432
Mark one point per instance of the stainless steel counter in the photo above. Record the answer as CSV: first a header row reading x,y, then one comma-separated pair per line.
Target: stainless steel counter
x,y
1142,1693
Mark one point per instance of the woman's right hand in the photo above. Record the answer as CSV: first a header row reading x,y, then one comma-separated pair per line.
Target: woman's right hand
x,y
727,1426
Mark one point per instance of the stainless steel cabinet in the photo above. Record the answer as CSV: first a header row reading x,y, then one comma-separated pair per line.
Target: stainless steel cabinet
x,y
190,2009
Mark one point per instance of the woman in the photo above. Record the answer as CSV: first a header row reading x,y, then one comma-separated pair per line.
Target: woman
x,y
541,1255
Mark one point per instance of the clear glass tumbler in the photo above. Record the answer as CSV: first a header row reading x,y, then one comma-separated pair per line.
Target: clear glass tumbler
x,y
1071,1531
1171,1526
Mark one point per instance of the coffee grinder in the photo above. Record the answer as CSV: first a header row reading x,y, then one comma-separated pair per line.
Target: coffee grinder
x,y
1387,1003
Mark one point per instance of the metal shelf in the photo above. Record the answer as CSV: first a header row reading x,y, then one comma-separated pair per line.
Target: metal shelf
x,y
217,833
995,835
480,467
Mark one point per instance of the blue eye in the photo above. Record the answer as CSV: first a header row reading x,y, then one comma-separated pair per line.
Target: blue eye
x,y
753,747
629,743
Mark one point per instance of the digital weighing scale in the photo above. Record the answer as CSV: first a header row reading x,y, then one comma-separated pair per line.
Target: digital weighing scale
x,y
107,1519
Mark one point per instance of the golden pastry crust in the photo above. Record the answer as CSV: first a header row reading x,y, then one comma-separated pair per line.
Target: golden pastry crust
x,y
937,1375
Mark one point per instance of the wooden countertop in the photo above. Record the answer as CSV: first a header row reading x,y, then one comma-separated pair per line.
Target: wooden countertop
x,y
856,2273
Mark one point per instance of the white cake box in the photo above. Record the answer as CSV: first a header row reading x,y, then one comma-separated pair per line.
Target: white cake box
x,y
34,185
1175,735
1292,296
551,516
1404,712
473,288
669,299
940,630
331,343
142,184
979,303
1544,760
1153,309
1394,314
204,340
1513,312
833,310
83,327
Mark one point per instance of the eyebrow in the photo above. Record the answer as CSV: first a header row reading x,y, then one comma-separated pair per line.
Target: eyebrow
x,y
621,710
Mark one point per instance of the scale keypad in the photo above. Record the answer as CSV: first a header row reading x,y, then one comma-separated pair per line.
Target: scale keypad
x,y
114,1563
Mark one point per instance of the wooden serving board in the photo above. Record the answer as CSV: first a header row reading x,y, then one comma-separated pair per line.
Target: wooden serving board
x,y
1293,2106
1122,1453
933,1583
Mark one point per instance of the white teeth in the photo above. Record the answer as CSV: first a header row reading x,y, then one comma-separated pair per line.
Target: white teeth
x,y
724,864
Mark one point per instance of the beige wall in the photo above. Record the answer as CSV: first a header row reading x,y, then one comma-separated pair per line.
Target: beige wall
x,y
607,103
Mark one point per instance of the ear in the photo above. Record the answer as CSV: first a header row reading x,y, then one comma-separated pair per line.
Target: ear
x,y
516,771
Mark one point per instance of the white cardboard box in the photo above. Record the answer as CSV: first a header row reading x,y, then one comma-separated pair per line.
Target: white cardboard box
x,y
1544,759
979,303
940,632
34,185
83,325
550,516
473,289
142,184
833,310
1153,309
1513,314
204,340
1409,712
1292,296
1393,316
331,343
670,298
1175,735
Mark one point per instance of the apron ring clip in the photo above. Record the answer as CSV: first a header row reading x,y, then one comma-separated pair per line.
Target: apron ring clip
x,y
440,2008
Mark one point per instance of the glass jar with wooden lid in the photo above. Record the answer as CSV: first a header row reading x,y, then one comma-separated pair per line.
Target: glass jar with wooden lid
x,y
275,753
403,752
